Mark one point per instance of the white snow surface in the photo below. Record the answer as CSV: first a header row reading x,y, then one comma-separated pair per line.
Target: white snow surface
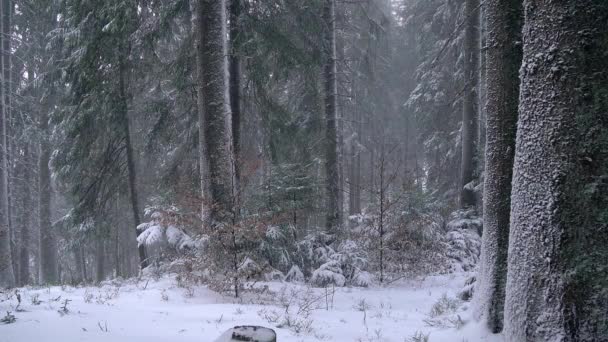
x,y
159,310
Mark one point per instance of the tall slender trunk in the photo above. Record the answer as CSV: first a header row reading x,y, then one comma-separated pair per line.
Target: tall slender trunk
x,y
99,259
469,110
79,263
235,84
24,252
556,276
334,217
7,276
48,243
483,85
504,18
132,172
355,159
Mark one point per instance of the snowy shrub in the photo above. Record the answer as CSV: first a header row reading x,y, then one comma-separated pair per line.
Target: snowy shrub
x,y
249,269
328,273
463,248
465,219
362,279
467,291
163,234
443,306
274,275
294,275
419,336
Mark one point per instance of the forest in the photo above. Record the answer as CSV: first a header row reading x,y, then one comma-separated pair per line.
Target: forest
x,y
335,170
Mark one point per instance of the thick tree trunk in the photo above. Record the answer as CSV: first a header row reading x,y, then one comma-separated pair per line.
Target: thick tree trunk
x,y
217,126
557,275
504,19
469,111
218,121
132,172
7,276
334,217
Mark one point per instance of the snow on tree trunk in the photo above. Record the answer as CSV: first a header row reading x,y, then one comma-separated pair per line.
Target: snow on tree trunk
x,y
503,58
469,104
7,276
217,125
334,218
557,277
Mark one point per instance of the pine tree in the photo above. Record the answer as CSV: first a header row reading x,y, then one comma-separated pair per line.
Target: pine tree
x,y
94,119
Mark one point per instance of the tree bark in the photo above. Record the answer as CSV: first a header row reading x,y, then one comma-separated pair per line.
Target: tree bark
x,y
469,112
235,84
7,276
557,244
217,124
334,217
24,252
504,18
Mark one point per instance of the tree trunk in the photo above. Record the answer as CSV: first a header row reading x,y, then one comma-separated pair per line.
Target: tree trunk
x,y
217,121
557,277
7,276
24,252
99,259
503,62
334,219
132,173
48,243
235,84
469,112
217,126
80,276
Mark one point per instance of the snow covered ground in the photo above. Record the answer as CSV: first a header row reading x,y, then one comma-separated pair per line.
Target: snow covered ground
x,y
159,310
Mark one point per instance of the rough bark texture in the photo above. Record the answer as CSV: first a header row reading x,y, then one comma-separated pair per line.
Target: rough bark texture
x,y
217,124
7,277
503,58
334,218
469,103
557,279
